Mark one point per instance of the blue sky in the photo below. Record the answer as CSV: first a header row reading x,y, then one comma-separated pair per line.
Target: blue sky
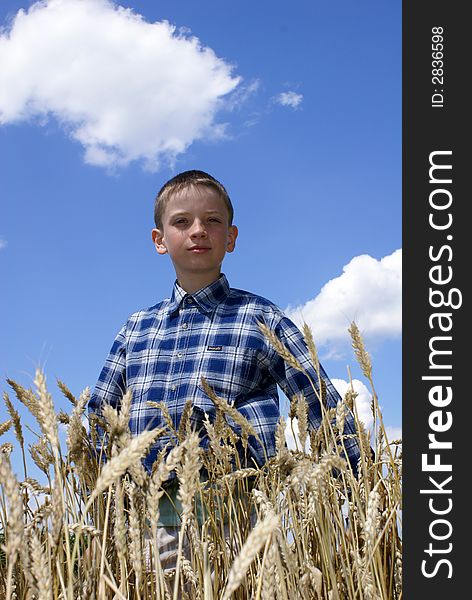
x,y
296,109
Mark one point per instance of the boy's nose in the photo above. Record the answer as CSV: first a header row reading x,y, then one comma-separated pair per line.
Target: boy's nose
x,y
198,229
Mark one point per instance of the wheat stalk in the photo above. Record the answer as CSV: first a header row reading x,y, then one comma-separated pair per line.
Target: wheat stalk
x,y
120,463
256,539
41,455
15,515
47,416
189,474
27,398
162,406
307,551
302,417
268,570
15,527
184,425
41,569
246,427
158,477
135,537
5,426
361,353
280,348
310,342
66,391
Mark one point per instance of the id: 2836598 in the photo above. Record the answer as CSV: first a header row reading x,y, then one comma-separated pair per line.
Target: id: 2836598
x,y
437,67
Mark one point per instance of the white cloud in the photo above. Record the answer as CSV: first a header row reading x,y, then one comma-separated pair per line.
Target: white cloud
x,y
3,243
124,88
368,292
363,402
240,96
363,399
291,99
292,435
393,433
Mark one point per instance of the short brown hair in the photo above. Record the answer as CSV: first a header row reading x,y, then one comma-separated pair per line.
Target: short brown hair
x,y
185,180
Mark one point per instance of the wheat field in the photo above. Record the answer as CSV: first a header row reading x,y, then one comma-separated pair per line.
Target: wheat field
x,y
300,527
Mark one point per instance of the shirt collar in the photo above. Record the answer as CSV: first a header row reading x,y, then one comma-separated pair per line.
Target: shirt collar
x,y
206,298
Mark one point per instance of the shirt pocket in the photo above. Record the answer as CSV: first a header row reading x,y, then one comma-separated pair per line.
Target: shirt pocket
x,y
143,415
147,372
231,372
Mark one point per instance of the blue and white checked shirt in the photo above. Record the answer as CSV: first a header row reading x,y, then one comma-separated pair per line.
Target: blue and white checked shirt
x,y
161,354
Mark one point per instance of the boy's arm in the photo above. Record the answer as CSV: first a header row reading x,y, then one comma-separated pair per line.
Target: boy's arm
x,y
111,384
293,381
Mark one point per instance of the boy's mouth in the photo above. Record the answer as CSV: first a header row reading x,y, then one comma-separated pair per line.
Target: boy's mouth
x,y
199,249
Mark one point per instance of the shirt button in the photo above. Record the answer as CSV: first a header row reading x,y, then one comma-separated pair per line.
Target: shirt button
x,y
173,388
185,326
179,354
189,300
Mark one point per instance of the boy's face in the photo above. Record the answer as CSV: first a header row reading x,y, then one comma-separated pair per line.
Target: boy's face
x,y
196,235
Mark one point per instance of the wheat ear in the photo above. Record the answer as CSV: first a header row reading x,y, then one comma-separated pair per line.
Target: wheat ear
x,y
361,353
280,348
15,526
120,463
246,427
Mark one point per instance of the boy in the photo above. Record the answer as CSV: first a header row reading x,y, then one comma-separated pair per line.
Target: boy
x,y
207,329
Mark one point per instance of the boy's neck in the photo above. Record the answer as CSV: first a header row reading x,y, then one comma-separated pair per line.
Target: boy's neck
x,y
193,283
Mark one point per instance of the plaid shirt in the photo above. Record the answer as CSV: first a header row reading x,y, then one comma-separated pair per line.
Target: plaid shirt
x,y
161,354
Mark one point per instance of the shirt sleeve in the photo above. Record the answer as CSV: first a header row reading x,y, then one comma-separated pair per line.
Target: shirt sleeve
x,y
111,384
293,381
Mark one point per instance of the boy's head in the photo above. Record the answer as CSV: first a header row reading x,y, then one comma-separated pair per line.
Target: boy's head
x,y
183,181
193,215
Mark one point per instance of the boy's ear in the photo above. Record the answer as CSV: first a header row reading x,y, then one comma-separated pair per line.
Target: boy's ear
x,y
232,235
158,239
